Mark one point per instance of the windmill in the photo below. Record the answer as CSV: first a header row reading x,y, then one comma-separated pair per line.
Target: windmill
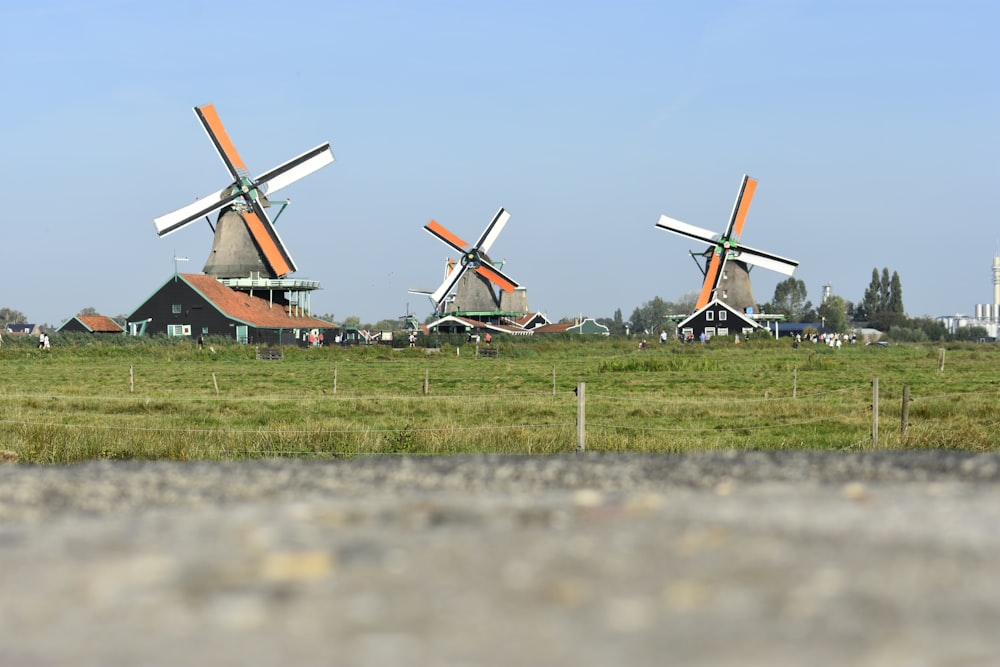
x,y
246,243
727,276
474,290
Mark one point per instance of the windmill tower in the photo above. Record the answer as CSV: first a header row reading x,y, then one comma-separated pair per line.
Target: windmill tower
x,y
728,261
246,245
475,290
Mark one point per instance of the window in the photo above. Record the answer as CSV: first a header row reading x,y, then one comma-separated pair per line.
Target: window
x,y
204,330
722,315
710,315
176,309
722,331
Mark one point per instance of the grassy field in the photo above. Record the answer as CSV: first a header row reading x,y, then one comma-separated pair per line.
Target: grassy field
x,y
82,402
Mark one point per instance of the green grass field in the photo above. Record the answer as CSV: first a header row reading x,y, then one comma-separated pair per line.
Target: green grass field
x,y
81,402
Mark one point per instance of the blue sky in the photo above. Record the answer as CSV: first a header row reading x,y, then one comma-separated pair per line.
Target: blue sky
x,y
872,128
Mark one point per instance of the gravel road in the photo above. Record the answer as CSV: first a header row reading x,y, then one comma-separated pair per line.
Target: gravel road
x,y
862,559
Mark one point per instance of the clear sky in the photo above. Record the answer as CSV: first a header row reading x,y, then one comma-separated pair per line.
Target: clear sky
x,y
872,128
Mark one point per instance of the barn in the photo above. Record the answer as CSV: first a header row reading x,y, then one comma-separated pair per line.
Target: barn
x,y
716,319
195,305
92,324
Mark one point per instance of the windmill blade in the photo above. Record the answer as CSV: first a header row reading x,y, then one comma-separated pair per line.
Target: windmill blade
x,y
266,237
684,229
766,260
220,139
741,207
171,222
296,168
712,276
449,283
438,230
497,277
492,231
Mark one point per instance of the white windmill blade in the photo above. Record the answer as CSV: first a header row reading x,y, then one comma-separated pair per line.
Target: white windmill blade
x,y
298,167
171,222
684,229
765,260
449,283
493,230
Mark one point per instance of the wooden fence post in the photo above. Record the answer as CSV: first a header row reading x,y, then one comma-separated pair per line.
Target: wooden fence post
x,y
904,420
553,380
427,381
941,360
131,379
216,383
334,379
581,404
795,382
875,411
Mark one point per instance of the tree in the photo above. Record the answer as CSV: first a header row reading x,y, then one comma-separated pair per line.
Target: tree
x,y
651,316
89,310
883,301
352,321
870,303
895,301
934,329
971,333
790,300
884,291
833,311
10,316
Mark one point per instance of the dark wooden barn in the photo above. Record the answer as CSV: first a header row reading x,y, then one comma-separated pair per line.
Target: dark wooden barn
x,y
716,319
92,324
195,305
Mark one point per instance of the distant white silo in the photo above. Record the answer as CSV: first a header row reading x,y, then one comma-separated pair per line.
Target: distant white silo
x,y
987,312
979,311
996,285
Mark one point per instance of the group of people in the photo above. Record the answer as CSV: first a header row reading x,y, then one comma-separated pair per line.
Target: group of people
x,y
43,341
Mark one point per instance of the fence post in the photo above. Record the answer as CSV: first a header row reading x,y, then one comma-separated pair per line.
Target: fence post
x,y
904,420
941,361
581,404
427,381
875,411
216,383
131,379
553,380
335,379
795,382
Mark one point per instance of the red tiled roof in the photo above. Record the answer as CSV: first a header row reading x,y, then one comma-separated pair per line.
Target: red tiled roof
x,y
253,310
555,327
100,324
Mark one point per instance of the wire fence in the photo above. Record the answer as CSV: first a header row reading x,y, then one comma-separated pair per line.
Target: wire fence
x,y
67,427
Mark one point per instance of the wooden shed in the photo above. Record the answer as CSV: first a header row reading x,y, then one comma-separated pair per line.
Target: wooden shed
x,y
194,305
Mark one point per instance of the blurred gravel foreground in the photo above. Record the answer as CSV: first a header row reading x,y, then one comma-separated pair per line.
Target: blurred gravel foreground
x,y
742,559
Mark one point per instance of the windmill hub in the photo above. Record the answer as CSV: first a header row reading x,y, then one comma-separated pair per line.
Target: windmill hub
x,y
471,259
